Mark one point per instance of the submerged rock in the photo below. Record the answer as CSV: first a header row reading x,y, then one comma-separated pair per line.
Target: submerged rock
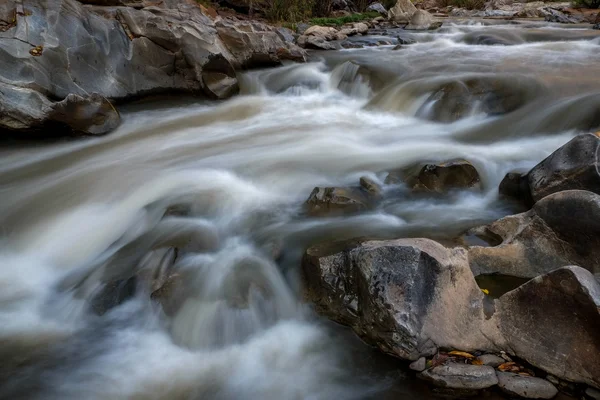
x,y
337,201
407,296
553,321
561,229
527,387
402,11
461,376
439,178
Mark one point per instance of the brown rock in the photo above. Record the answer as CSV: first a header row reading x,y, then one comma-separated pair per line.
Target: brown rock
x,y
337,201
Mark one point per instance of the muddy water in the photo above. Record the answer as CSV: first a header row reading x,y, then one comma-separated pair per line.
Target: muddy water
x,y
223,183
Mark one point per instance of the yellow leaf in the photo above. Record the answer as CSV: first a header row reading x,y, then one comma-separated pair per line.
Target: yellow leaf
x,y
485,291
477,362
461,354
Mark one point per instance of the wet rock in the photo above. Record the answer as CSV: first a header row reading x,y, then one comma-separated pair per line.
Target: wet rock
x,y
420,20
593,393
377,7
402,11
461,376
558,310
552,15
438,178
408,296
334,200
597,26
515,185
419,365
491,360
314,42
527,387
573,166
561,229
370,186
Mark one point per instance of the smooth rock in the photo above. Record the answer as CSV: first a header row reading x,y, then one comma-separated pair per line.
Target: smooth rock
x,y
370,186
527,387
461,376
419,365
573,166
408,296
438,178
515,185
361,27
491,360
561,229
377,7
402,11
420,20
315,42
553,321
325,32
593,393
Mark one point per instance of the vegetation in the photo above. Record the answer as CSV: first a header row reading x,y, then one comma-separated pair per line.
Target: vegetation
x,y
343,20
288,10
587,3
468,4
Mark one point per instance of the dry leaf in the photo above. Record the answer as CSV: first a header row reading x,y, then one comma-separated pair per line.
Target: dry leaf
x,y
461,354
438,359
36,51
477,362
485,291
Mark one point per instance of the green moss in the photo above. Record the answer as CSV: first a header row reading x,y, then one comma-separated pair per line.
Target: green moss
x,y
343,20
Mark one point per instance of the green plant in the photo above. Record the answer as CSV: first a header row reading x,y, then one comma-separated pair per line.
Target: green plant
x,y
343,20
587,3
288,10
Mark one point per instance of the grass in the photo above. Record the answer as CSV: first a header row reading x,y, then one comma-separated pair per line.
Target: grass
x,y
343,20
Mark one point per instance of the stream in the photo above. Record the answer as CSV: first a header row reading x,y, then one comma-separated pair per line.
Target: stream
x,y
210,195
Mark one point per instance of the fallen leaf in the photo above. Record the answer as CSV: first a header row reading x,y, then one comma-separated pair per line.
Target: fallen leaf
x,y
461,354
506,366
485,291
36,51
438,359
477,362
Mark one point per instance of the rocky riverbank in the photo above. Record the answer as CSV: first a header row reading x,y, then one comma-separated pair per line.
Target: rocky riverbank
x,y
417,299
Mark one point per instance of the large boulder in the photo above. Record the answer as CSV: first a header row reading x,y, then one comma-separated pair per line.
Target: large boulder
x,y
528,387
408,296
420,20
553,321
402,11
51,50
561,229
461,376
438,178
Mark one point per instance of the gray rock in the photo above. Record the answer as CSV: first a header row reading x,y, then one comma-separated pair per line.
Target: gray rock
x,y
527,387
286,34
337,201
402,11
597,26
407,296
561,229
491,360
552,379
377,7
461,376
559,310
53,49
419,365
302,27
316,43
593,393
420,20
552,15
573,166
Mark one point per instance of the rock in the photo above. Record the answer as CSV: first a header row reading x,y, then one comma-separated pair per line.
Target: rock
x,y
333,200
51,53
402,11
419,365
377,7
420,20
516,186
407,296
561,229
552,15
553,321
573,166
314,42
361,27
552,379
527,387
461,376
325,32
286,34
439,178
370,186
348,32
491,360
597,26
302,27
593,393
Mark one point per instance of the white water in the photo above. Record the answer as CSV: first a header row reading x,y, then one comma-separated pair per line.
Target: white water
x,y
76,215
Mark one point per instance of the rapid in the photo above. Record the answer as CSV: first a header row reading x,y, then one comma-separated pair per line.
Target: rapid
x,y
208,197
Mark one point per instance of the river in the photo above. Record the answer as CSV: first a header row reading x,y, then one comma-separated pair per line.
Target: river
x,y
224,183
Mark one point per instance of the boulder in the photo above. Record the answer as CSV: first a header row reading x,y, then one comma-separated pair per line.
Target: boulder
x,y
419,365
515,185
50,52
409,296
552,15
324,32
561,229
527,387
491,360
553,321
439,178
461,376
420,20
315,42
361,27
377,7
573,166
337,201
402,11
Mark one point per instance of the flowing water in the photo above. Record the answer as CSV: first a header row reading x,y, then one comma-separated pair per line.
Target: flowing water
x,y
207,198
